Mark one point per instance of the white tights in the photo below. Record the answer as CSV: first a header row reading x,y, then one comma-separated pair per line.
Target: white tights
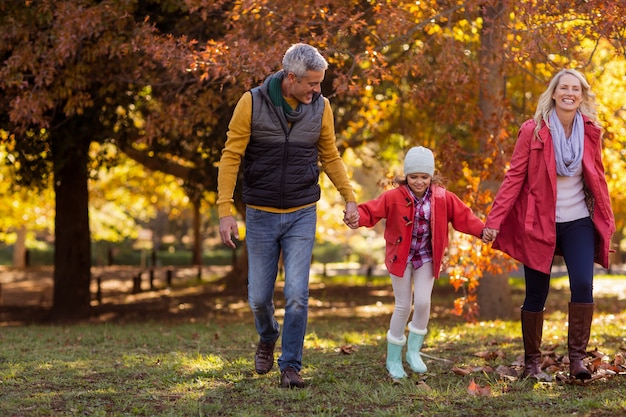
x,y
422,280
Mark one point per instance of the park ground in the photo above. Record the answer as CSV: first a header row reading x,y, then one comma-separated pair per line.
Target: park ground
x,y
178,293
186,349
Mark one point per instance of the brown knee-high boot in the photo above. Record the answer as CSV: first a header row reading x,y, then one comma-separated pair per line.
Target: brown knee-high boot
x,y
580,316
532,331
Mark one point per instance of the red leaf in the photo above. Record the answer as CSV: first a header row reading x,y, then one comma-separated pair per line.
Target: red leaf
x,y
476,390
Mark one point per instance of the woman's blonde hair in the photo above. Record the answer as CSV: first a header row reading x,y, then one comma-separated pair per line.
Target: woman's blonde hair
x,y
588,107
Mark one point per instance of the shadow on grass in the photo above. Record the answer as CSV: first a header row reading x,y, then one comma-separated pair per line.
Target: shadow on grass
x,y
188,350
351,297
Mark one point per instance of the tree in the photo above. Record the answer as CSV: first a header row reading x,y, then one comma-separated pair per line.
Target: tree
x,y
494,293
433,73
607,80
401,73
125,197
25,212
69,67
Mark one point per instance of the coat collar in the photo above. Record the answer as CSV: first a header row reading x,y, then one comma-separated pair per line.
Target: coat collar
x,y
592,132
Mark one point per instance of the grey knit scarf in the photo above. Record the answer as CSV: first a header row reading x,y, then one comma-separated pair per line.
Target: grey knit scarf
x,y
568,152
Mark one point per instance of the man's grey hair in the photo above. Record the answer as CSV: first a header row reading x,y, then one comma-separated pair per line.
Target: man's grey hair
x,y
301,58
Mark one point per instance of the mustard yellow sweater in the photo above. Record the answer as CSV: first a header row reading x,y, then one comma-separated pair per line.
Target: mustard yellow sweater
x,y
238,137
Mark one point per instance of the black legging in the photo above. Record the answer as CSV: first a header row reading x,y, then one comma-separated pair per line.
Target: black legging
x,y
575,239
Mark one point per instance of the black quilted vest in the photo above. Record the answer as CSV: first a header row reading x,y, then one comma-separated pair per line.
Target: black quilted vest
x,y
280,166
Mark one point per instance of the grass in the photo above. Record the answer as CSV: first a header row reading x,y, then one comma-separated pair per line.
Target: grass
x,y
203,366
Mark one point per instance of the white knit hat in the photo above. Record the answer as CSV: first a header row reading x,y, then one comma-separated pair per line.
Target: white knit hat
x,y
419,159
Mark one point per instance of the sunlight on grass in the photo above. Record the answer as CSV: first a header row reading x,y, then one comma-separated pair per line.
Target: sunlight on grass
x,y
313,341
206,367
350,280
484,328
204,363
603,285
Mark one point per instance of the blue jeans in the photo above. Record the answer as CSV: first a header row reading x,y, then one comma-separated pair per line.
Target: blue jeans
x,y
266,235
576,241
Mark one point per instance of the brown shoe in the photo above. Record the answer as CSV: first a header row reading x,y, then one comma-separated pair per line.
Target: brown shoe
x,y
264,357
290,378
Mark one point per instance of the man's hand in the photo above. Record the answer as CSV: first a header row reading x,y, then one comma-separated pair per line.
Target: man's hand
x,y
351,215
229,229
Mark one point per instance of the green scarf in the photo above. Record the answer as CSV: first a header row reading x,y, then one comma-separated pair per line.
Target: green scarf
x,y
276,95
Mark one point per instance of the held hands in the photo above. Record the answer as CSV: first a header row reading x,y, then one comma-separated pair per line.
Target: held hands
x,y
351,215
228,226
489,235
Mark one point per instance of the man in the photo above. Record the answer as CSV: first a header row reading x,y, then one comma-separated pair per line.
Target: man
x,y
279,131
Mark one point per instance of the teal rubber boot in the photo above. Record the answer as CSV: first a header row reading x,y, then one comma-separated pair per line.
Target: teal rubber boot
x,y
413,356
394,357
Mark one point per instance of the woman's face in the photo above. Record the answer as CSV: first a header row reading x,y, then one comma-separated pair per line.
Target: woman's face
x,y
418,183
568,94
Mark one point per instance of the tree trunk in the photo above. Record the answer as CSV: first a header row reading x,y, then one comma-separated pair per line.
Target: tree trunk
x,y
196,257
494,297
494,291
19,249
72,249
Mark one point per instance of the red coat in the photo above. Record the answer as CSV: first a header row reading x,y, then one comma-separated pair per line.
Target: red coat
x,y
524,209
397,207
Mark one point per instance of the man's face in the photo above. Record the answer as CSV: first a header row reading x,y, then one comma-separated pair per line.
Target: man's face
x,y
303,89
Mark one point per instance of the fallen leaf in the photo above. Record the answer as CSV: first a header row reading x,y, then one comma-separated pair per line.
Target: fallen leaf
x,y
486,369
519,361
348,349
506,371
485,391
561,377
461,371
472,388
422,386
477,391
490,355
595,364
596,354
553,369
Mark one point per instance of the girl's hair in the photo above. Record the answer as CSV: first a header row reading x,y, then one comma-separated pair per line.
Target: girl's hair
x,y
437,179
301,58
588,107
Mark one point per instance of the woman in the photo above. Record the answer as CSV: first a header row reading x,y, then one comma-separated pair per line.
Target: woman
x,y
554,200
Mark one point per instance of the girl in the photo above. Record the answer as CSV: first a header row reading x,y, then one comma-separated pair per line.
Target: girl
x,y
417,214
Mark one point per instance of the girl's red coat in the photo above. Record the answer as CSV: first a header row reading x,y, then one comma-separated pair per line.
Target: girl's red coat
x,y
524,210
396,206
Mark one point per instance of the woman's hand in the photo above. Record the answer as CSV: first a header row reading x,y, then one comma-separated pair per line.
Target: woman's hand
x,y
489,235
